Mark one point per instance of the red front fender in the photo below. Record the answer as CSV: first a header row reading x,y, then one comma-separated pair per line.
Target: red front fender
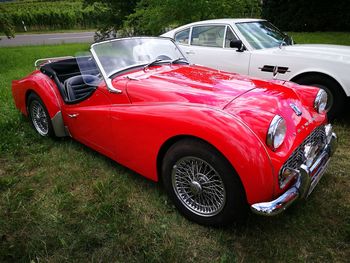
x,y
155,124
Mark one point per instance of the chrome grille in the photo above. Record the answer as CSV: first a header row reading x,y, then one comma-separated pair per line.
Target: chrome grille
x,y
317,137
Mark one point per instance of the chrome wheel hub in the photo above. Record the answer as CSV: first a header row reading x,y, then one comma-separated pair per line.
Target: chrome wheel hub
x,y
39,118
198,186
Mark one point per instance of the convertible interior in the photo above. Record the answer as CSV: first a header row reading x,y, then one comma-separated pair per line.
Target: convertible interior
x,y
75,81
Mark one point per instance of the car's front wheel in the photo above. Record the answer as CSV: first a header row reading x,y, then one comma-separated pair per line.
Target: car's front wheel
x,y
39,116
202,183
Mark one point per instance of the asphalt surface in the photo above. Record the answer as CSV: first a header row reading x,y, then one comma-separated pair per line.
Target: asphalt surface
x,y
47,39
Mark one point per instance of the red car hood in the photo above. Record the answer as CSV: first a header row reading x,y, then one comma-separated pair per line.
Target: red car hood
x,y
201,85
254,101
187,84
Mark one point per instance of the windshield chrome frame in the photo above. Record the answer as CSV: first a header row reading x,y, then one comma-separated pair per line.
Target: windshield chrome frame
x,y
107,78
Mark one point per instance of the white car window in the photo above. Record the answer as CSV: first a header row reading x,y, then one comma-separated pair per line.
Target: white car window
x,y
263,34
229,36
209,36
182,37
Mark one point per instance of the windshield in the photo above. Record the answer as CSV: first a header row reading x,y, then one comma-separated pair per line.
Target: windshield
x,y
262,34
121,54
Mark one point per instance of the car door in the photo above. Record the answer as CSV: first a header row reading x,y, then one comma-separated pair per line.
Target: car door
x,y
89,121
209,45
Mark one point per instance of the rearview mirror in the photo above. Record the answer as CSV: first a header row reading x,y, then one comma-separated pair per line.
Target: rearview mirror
x,y
236,43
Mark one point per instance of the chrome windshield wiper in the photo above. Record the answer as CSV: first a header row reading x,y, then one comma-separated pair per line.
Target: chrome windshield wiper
x,y
283,42
152,63
179,60
158,60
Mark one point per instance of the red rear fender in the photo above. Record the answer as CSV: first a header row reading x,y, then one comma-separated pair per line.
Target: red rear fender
x,y
46,89
40,84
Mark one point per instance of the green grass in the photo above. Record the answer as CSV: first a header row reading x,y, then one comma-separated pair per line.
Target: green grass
x,y
62,202
338,38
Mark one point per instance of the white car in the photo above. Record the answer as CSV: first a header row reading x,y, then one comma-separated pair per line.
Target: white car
x,y
257,48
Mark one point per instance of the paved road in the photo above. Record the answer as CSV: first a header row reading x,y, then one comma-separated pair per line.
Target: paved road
x,y
54,38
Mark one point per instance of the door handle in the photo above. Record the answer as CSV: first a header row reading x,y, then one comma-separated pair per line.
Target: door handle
x,y
189,52
74,115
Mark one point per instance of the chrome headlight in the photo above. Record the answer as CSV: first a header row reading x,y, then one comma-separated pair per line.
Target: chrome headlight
x,y
276,132
320,103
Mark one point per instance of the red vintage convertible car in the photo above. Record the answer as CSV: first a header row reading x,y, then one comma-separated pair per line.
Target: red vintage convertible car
x,y
220,142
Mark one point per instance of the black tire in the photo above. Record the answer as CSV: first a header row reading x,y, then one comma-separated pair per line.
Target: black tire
x,y
233,208
336,95
41,121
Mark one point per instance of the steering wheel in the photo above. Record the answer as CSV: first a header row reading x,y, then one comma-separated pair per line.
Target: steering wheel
x,y
163,57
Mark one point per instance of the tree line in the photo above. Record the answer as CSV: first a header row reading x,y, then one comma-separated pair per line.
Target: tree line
x,y
308,16
153,17
49,15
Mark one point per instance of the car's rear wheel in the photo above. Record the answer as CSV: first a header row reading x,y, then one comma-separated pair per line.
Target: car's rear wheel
x,y
39,116
202,184
336,95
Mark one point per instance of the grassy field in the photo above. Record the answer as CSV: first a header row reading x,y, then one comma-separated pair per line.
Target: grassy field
x,y
62,202
338,38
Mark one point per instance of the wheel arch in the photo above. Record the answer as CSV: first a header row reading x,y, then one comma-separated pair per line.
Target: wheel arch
x,y
318,73
54,112
237,143
26,96
171,141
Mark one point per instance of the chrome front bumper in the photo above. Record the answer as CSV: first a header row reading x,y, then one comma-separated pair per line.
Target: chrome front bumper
x,y
306,180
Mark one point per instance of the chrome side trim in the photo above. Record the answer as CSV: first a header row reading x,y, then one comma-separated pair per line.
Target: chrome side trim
x,y
41,61
58,125
307,179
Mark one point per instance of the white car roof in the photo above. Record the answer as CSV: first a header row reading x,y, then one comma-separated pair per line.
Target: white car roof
x,y
227,20
214,21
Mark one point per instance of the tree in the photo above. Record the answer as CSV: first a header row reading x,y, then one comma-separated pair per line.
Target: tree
x,y
6,24
114,12
154,16
311,15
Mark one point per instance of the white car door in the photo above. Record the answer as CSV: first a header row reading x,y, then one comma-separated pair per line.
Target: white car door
x,y
271,63
267,56
209,45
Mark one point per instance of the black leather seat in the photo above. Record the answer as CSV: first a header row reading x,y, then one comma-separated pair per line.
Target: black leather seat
x,y
80,87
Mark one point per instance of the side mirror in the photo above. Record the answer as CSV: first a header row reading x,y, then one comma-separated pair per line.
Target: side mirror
x,y
236,43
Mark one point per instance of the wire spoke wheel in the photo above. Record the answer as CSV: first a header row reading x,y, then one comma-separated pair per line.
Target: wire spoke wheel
x,y
198,186
39,118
